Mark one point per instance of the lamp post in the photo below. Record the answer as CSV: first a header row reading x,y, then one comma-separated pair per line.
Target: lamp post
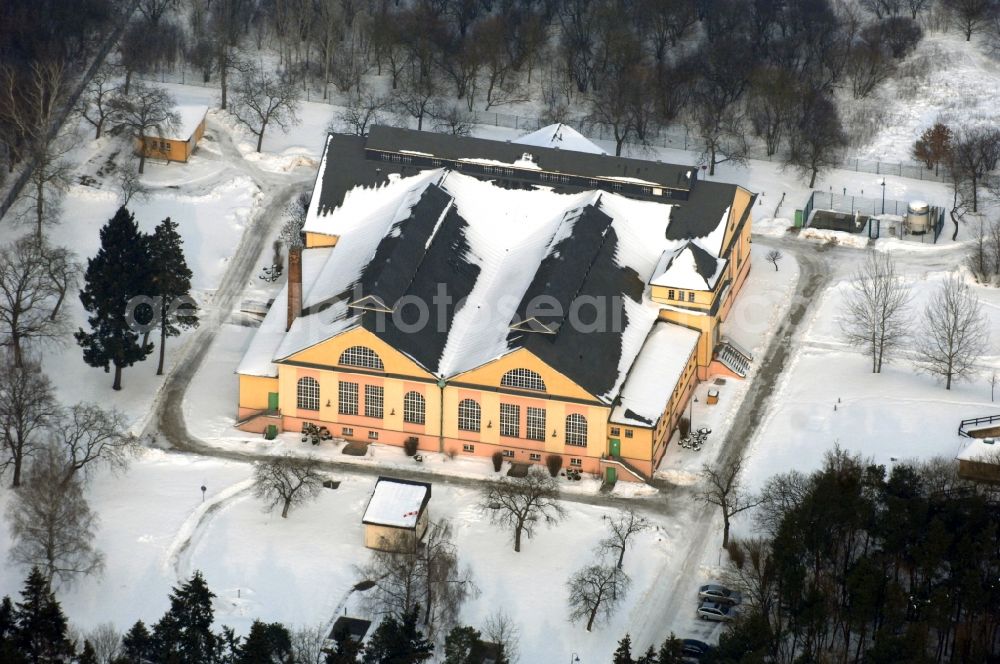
x,y
694,400
883,195
574,658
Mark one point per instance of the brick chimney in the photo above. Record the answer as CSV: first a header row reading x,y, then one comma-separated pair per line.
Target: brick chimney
x,y
294,285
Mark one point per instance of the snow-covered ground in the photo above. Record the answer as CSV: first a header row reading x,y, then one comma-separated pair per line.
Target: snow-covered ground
x,y
828,395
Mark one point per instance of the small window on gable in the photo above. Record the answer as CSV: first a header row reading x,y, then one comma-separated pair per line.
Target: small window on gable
x,y
670,294
690,297
524,379
361,356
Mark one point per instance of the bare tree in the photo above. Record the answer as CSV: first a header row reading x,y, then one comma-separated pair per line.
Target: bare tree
x,y
817,139
450,119
130,185
361,112
969,16
501,629
64,275
308,644
286,481
89,436
621,528
428,576
227,22
975,152
52,525
934,146
876,308
595,591
773,256
519,504
415,98
94,105
106,642
29,297
27,408
955,332
723,488
263,99
145,111
993,385
753,573
30,103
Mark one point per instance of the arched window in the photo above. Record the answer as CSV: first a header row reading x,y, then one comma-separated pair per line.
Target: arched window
x,y
360,356
469,415
576,430
524,379
307,394
413,408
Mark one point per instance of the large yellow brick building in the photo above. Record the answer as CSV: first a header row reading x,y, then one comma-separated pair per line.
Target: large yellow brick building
x,y
481,296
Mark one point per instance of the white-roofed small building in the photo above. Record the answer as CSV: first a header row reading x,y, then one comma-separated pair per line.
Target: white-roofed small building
x,y
177,142
396,517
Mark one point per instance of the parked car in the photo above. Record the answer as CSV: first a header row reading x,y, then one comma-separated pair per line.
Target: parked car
x,y
693,649
719,594
716,612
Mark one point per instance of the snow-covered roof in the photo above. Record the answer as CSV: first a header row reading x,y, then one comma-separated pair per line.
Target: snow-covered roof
x,y
689,267
559,136
981,449
396,503
405,234
654,375
188,119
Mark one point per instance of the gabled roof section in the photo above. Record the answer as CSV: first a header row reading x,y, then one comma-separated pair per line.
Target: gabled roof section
x,y
561,137
689,267
561,274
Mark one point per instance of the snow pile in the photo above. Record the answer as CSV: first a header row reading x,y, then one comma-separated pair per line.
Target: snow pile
x,y
559,136
654,375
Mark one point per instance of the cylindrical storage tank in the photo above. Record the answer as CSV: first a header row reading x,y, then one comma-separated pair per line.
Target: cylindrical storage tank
x,y
918,217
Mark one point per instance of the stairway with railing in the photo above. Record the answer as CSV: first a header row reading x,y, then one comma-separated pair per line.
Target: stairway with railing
x,y
965,426
734,357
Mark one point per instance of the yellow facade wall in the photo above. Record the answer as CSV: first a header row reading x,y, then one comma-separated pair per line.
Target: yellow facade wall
x,y
556,384
326,353
320,240
254,391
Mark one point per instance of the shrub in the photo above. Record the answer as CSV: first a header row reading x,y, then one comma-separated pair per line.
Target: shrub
x,y
497,461
554,463
410,446
684,424
451,453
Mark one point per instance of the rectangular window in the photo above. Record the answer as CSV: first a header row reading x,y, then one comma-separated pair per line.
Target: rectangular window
x,y
628,433
347,398
690,297
680,295
373,435
347,431
508,453
615,431
575,462
670,294
536,423
468,448
373,401
534,457
510,420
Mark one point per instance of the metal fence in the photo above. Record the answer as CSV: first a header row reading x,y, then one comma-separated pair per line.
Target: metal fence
x,y
863,205
675,136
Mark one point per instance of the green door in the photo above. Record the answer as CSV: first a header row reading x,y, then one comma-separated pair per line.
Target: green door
x,y
616,447
272,401
611,476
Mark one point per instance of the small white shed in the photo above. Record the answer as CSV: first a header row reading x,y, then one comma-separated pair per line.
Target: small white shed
x,y
396,516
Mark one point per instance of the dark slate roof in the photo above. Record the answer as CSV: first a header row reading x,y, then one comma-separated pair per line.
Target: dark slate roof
x,y
590,353
445,265
561,274
705,263
446,146
354,628
701,212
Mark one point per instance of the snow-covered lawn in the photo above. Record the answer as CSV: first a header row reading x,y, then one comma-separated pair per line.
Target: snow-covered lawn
x,y
155,530
828,395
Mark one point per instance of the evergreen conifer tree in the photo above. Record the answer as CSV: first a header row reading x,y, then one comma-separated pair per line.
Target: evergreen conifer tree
x,y
184,634
137,644
649,658
463,645
171,281
671,652
399,642
267,643
623,655
39,624
8,648
87,655
118,273
345,650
